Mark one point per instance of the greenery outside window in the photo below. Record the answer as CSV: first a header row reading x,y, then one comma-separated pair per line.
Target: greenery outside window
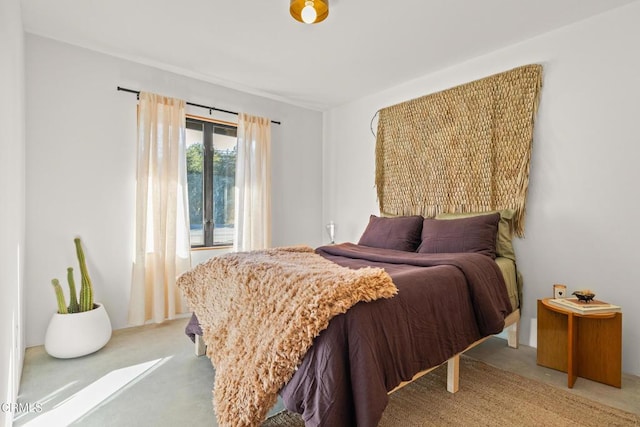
x,y
211,173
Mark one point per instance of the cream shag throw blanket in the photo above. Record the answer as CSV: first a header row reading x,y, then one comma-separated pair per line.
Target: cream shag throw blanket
x,y
260,312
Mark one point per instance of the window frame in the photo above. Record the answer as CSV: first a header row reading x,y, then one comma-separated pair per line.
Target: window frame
x,y
208,203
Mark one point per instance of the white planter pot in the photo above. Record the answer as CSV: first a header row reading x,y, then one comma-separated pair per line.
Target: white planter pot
x,y
77,334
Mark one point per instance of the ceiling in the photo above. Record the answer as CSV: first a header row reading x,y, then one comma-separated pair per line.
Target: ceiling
x,y
363,47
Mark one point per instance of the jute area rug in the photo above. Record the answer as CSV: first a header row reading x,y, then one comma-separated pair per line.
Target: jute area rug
x,y
488,396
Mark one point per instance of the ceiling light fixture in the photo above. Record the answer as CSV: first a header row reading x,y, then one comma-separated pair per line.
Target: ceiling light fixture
x,y
309,11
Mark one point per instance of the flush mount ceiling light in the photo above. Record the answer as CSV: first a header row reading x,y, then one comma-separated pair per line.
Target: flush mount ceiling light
x,y
309,11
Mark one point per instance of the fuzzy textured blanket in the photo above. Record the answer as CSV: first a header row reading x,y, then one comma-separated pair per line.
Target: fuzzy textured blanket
x,y
260,312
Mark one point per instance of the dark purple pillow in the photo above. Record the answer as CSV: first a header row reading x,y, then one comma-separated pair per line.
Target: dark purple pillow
x,y
471,234
401,233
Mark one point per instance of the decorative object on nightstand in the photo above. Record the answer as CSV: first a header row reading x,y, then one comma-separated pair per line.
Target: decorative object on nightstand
x,y
587,345
559,291
584,295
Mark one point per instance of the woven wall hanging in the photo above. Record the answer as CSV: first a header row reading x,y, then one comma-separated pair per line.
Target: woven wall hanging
x,y
465,149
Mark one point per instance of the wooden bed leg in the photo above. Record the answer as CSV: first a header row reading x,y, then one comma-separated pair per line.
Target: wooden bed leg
x,y
513,335
453,373
201,347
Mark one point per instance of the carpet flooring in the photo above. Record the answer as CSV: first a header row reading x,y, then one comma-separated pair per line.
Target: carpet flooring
x,y
488,396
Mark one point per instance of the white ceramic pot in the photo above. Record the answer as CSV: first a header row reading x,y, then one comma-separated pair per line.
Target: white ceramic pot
x,y
77,334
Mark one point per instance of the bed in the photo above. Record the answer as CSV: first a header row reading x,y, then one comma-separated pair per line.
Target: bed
x,y
429,280
454,289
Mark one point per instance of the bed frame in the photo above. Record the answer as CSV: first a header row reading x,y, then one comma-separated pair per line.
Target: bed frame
x,y
511,326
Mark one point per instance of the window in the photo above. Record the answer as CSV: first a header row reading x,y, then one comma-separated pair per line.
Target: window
x,y
211,174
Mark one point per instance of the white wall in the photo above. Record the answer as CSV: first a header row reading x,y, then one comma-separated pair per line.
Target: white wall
x,y
12,194
81,141
581,224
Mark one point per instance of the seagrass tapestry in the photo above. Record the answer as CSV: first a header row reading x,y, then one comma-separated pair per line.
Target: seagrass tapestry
x,y
465,149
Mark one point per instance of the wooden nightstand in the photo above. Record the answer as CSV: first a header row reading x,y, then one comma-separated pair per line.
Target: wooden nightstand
x,y
582,345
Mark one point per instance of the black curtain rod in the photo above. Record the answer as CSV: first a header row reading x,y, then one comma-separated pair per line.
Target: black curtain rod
x,y
206,107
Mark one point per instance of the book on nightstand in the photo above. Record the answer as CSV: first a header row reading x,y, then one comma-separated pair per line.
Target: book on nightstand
x,y
592,307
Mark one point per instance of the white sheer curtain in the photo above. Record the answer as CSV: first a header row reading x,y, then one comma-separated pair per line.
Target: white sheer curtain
x,y
253,184
162,249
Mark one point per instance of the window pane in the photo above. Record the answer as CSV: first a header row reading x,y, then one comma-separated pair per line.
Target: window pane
x,y
224,179
195,165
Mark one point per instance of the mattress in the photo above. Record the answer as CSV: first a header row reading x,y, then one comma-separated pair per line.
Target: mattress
x,y
508,268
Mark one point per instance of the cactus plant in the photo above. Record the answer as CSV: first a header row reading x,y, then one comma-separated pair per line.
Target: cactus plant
x,y
86,288
62,306
73,298
83,326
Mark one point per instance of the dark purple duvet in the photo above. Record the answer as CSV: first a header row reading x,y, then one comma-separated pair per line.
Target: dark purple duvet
x,y
445,303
